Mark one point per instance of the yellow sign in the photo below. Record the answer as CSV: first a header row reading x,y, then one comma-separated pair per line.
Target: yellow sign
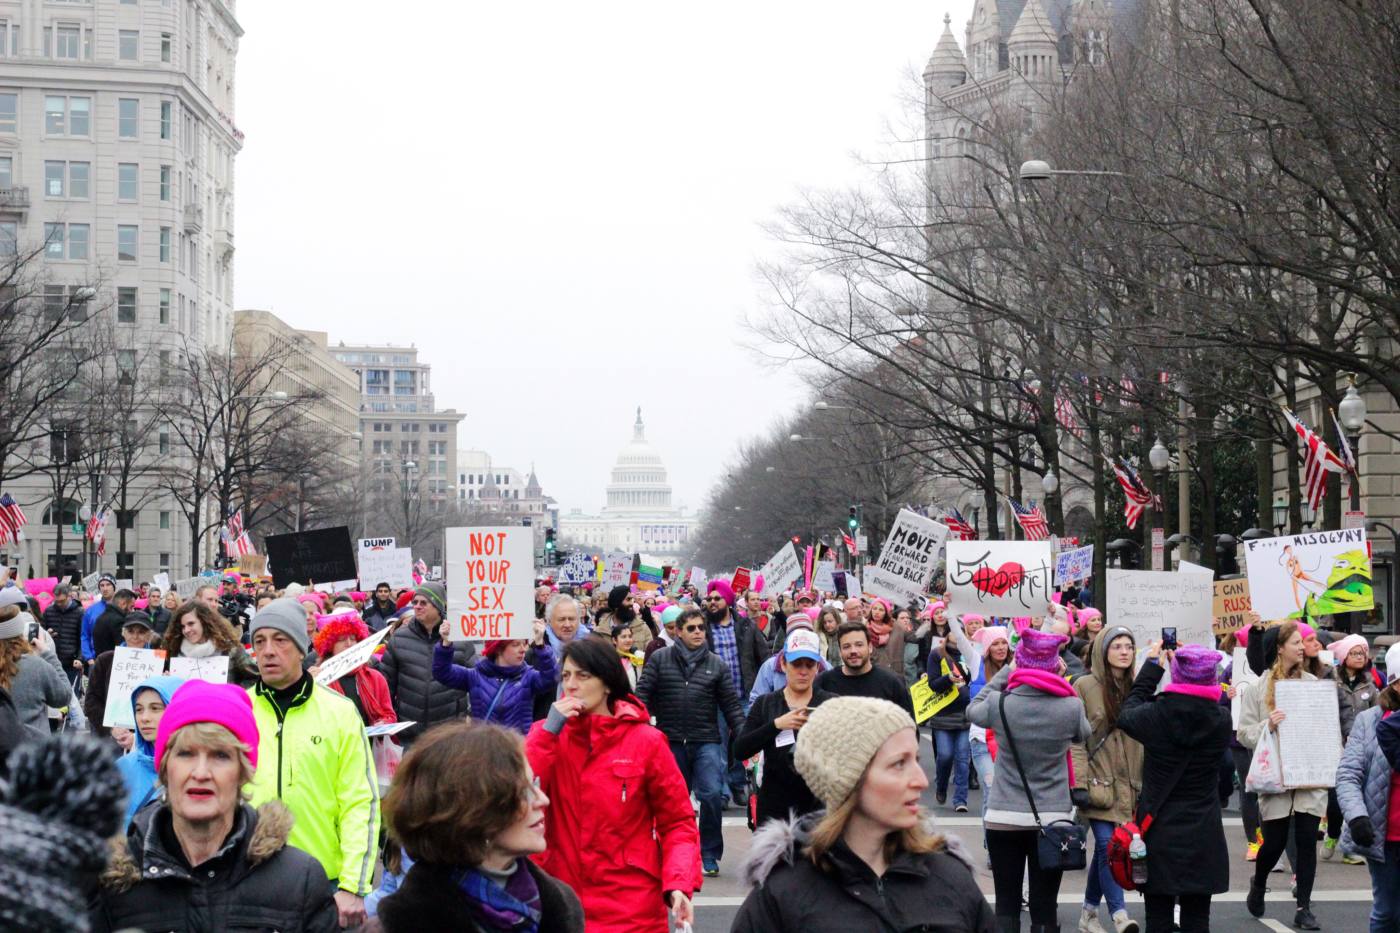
x,y
926,702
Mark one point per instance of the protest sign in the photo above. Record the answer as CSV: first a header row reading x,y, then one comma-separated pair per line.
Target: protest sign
x,y
1308,575
334,586
1310,735
356,656
824,576
926,702
1146,601
130,666
436,572
388,728
391,565
698,578
490,583
214,670
89,582
908,559
375,544
1231,605
1074,566
740,580
579,568
782,569
253,565
1243,678
161,581
617,569
1185,566
999,578
126,583
311,556
36,585
186,587
648,579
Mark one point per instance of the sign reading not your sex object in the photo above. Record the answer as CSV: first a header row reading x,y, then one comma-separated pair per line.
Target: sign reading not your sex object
x,y
999,578
490,583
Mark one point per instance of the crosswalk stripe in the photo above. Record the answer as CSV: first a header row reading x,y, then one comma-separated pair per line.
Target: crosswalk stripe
x,y
1231,897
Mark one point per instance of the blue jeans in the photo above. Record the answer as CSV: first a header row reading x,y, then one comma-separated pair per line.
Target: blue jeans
x,y
982,761
702,766
952,755
1385,889
1101,885
735,777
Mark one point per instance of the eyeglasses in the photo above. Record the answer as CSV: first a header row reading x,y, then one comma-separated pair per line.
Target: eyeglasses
x,y
421,602
693,628
714,599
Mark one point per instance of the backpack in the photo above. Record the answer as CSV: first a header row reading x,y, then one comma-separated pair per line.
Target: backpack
x,y
1120,862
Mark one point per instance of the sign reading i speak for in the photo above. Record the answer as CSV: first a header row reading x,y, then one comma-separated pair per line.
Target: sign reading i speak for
x,y
490,583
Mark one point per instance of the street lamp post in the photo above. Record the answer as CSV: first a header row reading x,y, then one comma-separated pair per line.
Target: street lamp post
x,y
1352,415
1280,515
1049,485
1159,458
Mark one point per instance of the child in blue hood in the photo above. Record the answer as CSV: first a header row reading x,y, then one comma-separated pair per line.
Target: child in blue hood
x,y
138,766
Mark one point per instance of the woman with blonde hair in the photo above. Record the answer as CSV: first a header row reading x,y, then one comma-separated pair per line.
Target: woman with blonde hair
x,y
868,860
196,631
828,621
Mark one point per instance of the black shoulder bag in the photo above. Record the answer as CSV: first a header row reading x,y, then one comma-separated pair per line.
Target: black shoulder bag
x,y
1061,846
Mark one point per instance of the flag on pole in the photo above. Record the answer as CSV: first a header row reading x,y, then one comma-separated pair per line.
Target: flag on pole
x,y
12,518
1344,447
1031,520
849,542
1138,498
99,531
1318,460
958,525
1064,414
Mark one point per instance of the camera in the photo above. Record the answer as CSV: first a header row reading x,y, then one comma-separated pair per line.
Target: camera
x,y
1169,638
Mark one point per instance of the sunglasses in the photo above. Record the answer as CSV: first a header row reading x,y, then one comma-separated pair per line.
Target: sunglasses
x,y
693,628
421,602
714,599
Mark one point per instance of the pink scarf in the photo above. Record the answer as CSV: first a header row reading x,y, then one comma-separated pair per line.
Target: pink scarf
x,y
1044,681
879,632
1204,691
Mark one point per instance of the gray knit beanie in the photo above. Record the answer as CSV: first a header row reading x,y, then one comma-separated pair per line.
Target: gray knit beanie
x,y
63,801
836,745
286,616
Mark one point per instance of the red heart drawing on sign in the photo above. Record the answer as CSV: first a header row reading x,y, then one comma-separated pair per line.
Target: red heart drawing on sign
x,y
997,582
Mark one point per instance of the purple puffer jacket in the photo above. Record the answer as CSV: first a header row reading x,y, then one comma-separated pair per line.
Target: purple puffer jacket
x,y
517,685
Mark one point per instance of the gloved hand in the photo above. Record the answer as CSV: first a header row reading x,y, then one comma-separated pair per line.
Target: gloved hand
x,y
1362,832
1079,797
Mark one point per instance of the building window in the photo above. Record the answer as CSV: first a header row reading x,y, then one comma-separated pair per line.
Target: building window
x,y
55,176
128,181
7,171
67,41
126,305
165,183
164,562
164,244
126,367
165,47
165,306
166,111
126,243
163,441
9,113
126,518
66,241
164,526
128,117
128,45
9,39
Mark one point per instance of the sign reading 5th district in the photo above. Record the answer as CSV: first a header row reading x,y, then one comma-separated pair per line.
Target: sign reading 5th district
x,y
999,578
908,560
490,583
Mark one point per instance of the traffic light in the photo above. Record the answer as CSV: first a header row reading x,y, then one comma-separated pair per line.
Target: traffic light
x,y
853,522
548,545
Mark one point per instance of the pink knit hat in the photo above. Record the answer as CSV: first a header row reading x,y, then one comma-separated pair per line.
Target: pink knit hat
x,y
1039,650
990,633
226,705
1242,635
723,588
969,616
1196,665
1342,647
1307,630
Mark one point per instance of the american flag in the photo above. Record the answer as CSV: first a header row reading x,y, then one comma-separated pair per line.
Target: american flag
x,y
235,523
237,542
1136,492
420,567
97,527
12,518
959,526
1318,460
849,542
1031,520
1064,414
1344,447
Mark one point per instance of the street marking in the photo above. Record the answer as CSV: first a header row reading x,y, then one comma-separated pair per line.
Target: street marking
x,y
1274,925
1232,897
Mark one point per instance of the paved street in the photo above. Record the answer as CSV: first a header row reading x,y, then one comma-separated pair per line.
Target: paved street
x,y
1341,898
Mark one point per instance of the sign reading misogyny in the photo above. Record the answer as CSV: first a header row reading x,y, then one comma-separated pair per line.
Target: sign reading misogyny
x,y
908,560
1308,575
1007,579
490,583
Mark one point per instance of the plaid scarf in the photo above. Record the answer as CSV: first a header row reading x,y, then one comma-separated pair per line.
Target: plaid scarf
x,y
514,908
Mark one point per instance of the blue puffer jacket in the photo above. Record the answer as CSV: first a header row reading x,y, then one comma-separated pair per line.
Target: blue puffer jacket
x,y
1363,783
516,685
138,766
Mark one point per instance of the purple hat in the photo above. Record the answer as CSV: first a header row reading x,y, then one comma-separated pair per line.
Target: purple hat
x,y
1039,650
1194,664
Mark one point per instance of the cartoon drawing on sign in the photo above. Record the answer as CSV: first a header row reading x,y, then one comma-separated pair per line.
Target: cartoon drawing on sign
x,y
1309,575
1297,576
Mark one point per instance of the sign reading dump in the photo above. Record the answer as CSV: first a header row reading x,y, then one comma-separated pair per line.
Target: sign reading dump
x,y
490,583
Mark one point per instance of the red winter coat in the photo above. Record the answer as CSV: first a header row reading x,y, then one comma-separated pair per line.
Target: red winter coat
x,y
620,827
374,695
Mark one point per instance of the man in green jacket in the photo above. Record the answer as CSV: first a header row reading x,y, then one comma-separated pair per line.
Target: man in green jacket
x,y
314,757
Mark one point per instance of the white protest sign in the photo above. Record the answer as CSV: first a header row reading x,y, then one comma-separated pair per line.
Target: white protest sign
x,y
1007,579
161,581
1310,736
1243,678
824,576
1074,566
579,568
356,656
908,560
698,578
491,583
1308,575
126,584
781,570
187,586
1146,601
335,587
388,728
1185,566
436,572
617,569
375,544
130,666
214,670
90,582
391,565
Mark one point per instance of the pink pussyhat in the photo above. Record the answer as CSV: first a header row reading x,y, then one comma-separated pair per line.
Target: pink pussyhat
x,y
1039,650
988,634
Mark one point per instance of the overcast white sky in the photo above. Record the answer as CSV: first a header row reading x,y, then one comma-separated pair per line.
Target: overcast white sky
x,y
558,202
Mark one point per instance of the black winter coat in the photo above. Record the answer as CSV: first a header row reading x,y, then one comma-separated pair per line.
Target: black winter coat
x,y
934,892
107,630
407,664
783,791
257,882
428,899
1186,851
685,707
753,649
67,628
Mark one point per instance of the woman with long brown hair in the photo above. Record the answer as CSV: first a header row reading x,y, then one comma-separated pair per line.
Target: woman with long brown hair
x,y
196,631
29,671
1297,811
828,621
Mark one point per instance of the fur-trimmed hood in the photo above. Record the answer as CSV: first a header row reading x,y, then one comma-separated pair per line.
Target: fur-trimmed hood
x,y
786,840
260,833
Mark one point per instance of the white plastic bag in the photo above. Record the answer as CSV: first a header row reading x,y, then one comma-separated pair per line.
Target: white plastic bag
x,y
1265,770
386,759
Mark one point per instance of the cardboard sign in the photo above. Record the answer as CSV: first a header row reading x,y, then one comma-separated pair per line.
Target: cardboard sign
x,y
1231,606
782,569
741,580
161,581
1074,566
490,583
130,666
375,544
352,658
187,586
391,565
617,570
1310,736
824,576
1146,601
908,560
1308,575
1006,579
214,670
578,569
311,556
126,584
253,565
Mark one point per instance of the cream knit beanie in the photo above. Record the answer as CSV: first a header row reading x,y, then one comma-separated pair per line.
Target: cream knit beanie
x,y
835,746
